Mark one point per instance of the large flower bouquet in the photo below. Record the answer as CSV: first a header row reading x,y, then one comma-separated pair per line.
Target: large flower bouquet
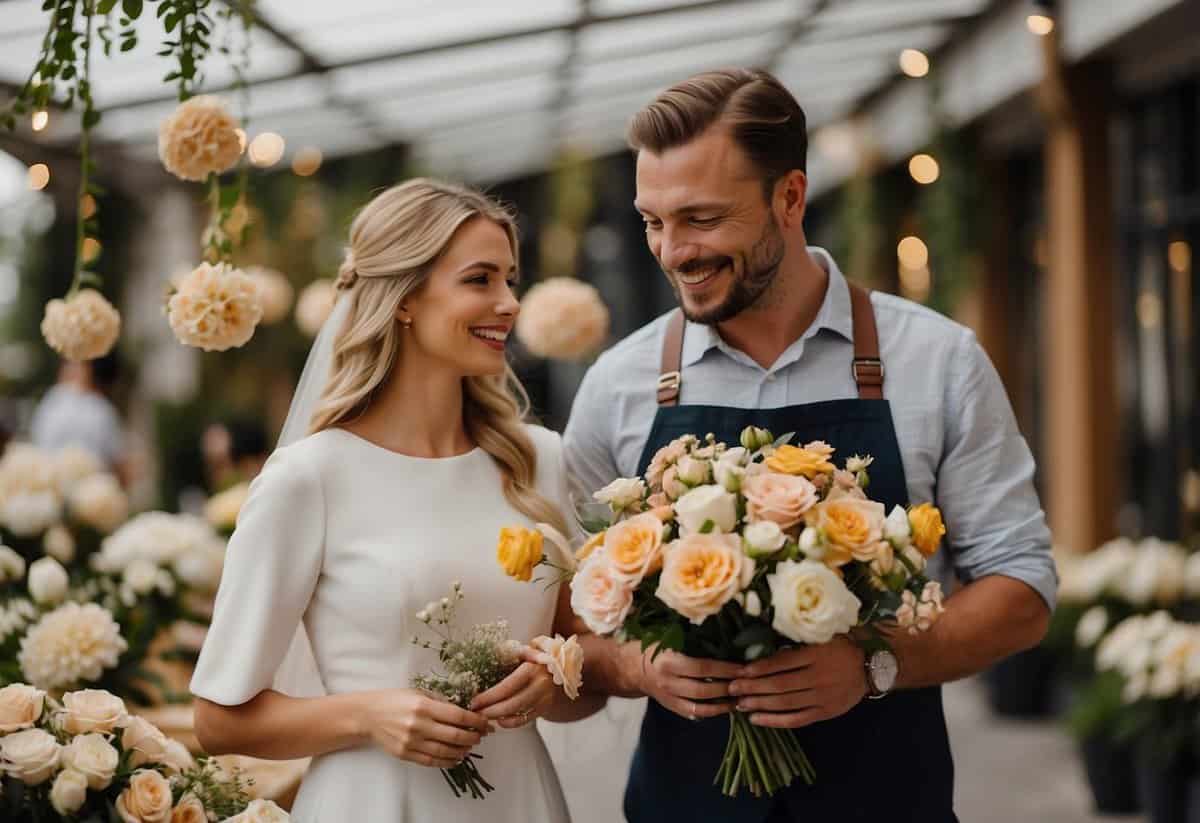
x,y
734,553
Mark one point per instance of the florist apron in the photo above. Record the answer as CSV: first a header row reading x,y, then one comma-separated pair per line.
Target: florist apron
x,y
884,760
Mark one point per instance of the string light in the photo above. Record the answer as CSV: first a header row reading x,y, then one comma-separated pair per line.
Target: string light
x,y
307,161
913,252
924,169
41,118
914,63
266,149
39,176
1041,19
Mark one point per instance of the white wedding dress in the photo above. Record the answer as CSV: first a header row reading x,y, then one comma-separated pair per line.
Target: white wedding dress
x,y
353,539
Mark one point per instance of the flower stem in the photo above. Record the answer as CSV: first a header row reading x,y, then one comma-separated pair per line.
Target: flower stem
x,y
85,89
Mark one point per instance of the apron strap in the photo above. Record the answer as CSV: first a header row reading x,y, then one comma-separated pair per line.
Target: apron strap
x,y
867,368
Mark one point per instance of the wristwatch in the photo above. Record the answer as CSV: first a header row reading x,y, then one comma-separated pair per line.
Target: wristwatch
x,y
882,669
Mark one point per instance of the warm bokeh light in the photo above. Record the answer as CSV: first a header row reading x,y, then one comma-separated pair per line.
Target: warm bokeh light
x,y
307,161
266,149
91,249
914,63
87,205
924,169
913,253
915,283
1040,24
39,176
40,120
1149,310
1179,256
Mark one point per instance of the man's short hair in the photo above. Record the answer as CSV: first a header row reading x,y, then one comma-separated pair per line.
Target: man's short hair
x,y
761,115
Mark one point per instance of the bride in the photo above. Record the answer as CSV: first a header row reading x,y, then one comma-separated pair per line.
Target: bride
x,y
404,453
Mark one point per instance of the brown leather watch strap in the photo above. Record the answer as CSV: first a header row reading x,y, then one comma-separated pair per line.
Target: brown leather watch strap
x,y
867,368
670,374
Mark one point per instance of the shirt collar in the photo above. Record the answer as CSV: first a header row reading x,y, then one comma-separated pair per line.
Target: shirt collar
x,y
834,314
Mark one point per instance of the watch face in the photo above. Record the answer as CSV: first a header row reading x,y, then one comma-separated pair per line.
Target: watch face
x,y
884,670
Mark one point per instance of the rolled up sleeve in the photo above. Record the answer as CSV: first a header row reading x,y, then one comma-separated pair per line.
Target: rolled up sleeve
x,y
994,520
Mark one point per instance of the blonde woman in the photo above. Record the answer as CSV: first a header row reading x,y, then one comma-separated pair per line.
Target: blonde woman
x,y
411,454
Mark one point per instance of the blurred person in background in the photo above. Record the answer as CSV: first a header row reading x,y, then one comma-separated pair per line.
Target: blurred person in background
x,y
79,410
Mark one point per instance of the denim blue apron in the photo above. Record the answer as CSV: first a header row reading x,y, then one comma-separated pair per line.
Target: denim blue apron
x,y
884,760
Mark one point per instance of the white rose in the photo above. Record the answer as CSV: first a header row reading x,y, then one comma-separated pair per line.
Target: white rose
x,y
753,604
48,581
1091,627
897,529
811,602
261,811
92,710
622,493
141,576
30,756
810,544
20,707
704,504
12,565
763,538
730,468
59,544
94,757
145,742
692,471
69,792
177,758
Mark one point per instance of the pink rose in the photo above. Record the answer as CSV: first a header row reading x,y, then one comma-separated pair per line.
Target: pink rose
x,y
780,498
599,596
564,659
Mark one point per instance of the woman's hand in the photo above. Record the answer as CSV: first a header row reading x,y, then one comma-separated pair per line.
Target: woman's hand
x,y
519,698
411,725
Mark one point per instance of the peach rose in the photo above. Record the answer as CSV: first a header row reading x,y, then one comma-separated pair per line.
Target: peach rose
x,y
31,755
634,547
853,528
147,799
199,138
93,757
927,528
145,743
599,596
189,810
216,307
69,792
780,498
20,707
92,710
703,572
84,326
518,551
809,461
564,659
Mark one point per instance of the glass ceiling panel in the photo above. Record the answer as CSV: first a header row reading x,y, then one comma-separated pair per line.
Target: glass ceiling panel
x,y
21,17
818,47
890,13
697,25
609,7
415,114
414,75
390,31
678,63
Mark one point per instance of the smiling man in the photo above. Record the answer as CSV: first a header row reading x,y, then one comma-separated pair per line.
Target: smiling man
x,y
771,334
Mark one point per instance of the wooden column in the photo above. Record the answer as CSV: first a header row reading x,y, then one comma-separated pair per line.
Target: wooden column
x,y
1079,463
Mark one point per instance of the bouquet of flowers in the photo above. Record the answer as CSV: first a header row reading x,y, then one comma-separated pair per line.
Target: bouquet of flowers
x,y
734,553
479,659
87,759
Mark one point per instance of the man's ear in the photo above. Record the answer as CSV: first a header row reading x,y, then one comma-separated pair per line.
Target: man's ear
x,y
790,200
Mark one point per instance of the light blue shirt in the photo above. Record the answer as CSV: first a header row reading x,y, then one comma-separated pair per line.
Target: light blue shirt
x,y
957,433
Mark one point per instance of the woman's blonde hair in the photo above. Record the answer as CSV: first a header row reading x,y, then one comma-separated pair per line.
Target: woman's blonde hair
x,y
395,240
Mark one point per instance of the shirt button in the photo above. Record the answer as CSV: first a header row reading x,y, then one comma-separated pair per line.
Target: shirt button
x,y
771,377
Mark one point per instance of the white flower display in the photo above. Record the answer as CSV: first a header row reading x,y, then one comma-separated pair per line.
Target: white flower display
x,y
562,318
84,326
215,308
72,644
31,513
159,537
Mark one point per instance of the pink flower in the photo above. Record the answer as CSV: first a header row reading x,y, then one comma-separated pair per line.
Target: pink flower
x,y
781,498
599,596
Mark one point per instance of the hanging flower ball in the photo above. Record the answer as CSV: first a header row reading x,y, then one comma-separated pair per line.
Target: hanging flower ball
x,y
563,318
275,292
216,307
84,326
314,306
198,139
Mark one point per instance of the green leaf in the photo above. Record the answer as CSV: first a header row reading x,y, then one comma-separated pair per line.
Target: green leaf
x,y
90,118
171,23
128,45
708,527
132,8
105,6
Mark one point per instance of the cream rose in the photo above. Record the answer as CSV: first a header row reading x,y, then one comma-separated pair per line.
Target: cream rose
x,y
20,707
730,469
198,139
261,811
763,538
189,809
811,602
564,659
853,528
93,757
692,471
31,755
145,742
599,596
633,548
781,498
707,504
147,799
562,318
48,581
215,308
69,792
84,326
177,758
92,710
703,572
896,528
623,493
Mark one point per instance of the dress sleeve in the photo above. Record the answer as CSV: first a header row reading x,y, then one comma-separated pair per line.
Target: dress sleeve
x,y
271,568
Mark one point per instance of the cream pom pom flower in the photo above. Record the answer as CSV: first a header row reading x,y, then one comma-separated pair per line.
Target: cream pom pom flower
x,y
84,326
198,139
275,293
314,305
562,318
72,644
99,502
216,307
72,464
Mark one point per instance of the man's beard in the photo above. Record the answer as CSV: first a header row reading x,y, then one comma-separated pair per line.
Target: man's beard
x,y
761,267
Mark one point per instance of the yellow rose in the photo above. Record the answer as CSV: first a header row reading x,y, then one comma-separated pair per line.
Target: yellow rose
x,y
853,528
702,572
795,460
634,547
927,528
594,542
518,551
